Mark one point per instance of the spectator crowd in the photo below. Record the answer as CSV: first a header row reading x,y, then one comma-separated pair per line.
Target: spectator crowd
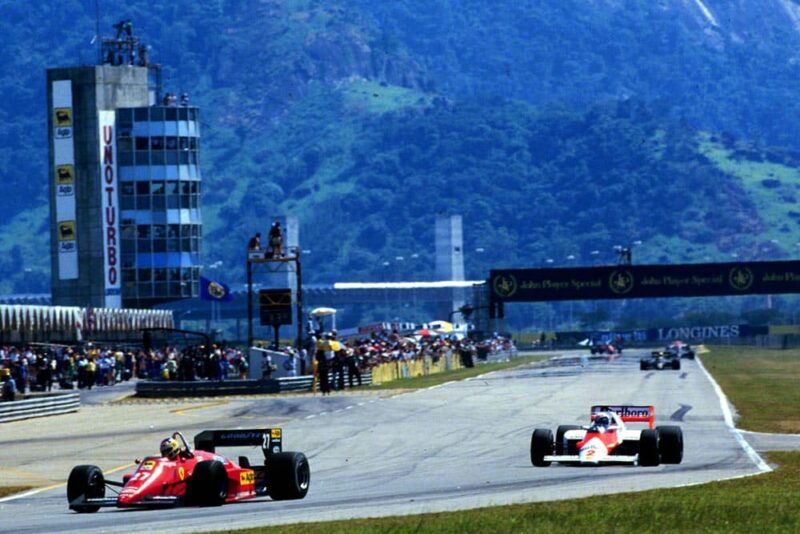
x,y
44,367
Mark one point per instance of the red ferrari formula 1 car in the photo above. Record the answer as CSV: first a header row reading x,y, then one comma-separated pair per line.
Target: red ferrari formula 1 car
x,y
199,476
608,441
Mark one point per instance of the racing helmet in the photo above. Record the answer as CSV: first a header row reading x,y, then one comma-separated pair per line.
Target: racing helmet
x,y
602,421
170,448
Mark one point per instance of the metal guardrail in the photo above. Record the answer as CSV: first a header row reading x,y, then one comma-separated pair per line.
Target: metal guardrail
x,y
303,383
42,407
205,388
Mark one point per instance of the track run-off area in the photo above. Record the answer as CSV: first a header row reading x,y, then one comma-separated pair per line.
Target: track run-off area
x,y
378,453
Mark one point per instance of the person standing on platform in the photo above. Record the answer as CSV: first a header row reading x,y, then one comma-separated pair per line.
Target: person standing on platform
x,y
323,365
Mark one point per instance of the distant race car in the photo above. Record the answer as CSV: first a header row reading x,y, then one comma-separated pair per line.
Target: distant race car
x,y
660,360
199,476
683,350
602,347
608,441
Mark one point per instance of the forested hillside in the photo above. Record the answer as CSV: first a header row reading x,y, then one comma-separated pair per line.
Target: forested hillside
x,y
554,127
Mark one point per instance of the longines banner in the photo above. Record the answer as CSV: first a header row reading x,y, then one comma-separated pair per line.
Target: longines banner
x,y
645,281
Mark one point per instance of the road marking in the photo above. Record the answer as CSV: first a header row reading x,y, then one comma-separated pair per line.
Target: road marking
x,y
311,416
349,407
180,411
59,485
728,416
680,413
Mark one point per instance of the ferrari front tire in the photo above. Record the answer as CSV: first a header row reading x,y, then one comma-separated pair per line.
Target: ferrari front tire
x,y
85,481
541,446
288,476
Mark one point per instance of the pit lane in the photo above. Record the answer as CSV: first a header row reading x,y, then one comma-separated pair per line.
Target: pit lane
x,y
460,445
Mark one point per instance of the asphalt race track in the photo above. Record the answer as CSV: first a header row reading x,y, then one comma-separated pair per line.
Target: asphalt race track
x,y
461,445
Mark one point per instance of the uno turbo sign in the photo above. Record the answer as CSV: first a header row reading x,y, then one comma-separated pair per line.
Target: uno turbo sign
x,y
110,225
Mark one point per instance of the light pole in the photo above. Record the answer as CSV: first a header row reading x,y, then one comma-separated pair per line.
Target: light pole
x,y
385,281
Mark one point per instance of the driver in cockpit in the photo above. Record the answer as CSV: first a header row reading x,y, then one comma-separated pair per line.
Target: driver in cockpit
x,y
170,448
603,422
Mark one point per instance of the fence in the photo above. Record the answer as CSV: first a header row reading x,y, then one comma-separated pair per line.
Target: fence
x,y
55,404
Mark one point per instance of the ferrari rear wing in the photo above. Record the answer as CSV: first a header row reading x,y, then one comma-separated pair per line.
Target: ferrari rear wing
x,y
634,414
269,439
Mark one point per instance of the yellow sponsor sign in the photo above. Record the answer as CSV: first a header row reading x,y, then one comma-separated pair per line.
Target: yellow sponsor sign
x,y
62,117
65,174
247,477
276,433
66,231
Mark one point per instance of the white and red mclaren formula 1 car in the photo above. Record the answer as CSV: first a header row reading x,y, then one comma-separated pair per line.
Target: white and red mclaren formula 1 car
x,y
607,440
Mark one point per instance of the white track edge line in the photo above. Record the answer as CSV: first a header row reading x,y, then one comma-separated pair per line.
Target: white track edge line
x,y
728,416
21,495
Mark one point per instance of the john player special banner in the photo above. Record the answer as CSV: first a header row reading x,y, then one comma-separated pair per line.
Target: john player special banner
x,y
645,281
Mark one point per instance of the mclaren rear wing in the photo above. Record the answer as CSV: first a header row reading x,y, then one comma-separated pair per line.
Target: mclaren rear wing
x,y
635,414
269,439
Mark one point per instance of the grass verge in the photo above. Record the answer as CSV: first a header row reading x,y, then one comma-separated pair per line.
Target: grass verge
x,y
419,382
12,490
761,383
766,503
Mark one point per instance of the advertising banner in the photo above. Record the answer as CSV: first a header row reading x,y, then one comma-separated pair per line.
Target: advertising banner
x,y
64,179
645,281
110,208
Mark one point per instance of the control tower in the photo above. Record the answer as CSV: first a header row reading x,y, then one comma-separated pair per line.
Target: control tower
x,y
124,182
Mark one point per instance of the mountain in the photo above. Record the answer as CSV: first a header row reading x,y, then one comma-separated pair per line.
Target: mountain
x,y
555,127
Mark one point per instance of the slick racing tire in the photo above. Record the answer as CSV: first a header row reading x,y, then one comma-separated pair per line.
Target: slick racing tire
x,y
288,476
649,454
561,447
670,444
541,446
208,485
85,481
642,366
676,364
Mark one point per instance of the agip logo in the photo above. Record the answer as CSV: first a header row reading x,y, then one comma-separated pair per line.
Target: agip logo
x,y
65,180
504,285
740,278
62,119
620,282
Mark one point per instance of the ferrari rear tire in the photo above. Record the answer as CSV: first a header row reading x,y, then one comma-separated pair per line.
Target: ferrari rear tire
x,y
642,366
670,444
561,447
288,476
649,454
208,485
676,364
541,446
85,481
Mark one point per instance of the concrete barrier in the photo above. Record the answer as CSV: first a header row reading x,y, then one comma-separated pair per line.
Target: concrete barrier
x,y
55,404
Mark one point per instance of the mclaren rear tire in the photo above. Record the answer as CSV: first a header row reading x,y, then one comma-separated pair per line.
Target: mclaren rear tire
x,y
670,444
288,476
541,446
208,485
561,446
85,481
649,454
